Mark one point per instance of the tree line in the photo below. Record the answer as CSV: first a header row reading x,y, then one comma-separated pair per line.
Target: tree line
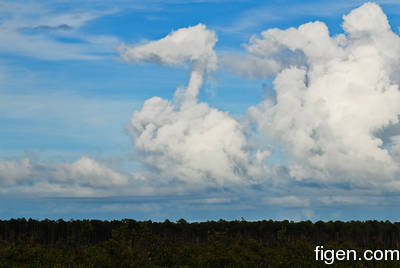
x,y
239,243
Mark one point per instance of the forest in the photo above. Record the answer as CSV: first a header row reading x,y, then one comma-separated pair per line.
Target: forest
x,y
239,243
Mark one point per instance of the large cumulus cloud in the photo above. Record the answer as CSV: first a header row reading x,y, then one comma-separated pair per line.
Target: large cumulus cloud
x,y
330,107
185,139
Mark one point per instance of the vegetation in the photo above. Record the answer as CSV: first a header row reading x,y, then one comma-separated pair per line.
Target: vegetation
x,y
130,243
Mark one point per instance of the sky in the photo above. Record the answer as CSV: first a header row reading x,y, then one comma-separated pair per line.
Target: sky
x,y
200,109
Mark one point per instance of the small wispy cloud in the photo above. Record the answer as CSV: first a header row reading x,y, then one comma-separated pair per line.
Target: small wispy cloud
x,y
43,28
61,27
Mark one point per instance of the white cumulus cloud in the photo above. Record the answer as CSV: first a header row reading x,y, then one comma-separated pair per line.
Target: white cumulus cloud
x,y
184,139
87,171
329,109
194,45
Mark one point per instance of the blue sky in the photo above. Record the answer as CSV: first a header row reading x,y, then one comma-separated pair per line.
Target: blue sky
x,y
67,98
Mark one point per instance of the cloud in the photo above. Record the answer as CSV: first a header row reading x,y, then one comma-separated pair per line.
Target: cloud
x,y
329,109
13,172
251,66
194,45
194,143
184,139
45,30
85,176
368,20
61,27
87,171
